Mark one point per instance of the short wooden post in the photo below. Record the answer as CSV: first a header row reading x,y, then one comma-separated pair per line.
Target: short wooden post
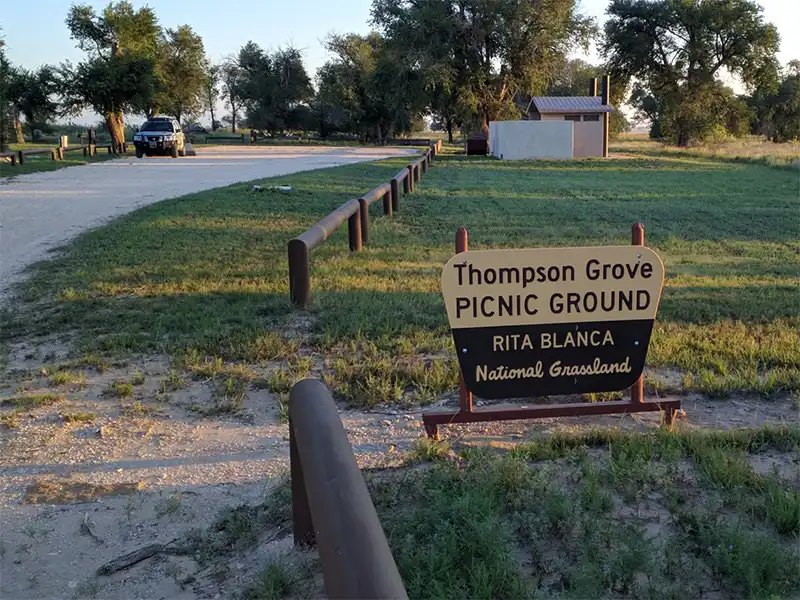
x,y
299,273
464,395
406,185
387,203
410,178
85,152
111,148
424,164
416,174
60,151
395,188
363,208
637,239
354,231
21,158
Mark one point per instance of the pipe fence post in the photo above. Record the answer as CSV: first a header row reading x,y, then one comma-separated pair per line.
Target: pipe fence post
x,y
395,188
464,395
637,239
410,178
299,273
387,204
363,208
354,231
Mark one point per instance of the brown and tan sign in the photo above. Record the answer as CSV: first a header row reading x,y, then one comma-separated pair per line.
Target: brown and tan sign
x,y
545,321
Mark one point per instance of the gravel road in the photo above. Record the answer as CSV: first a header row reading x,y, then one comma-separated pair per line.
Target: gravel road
x,y
41,211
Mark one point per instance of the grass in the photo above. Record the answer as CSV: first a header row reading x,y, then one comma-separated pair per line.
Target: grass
x,y
751,149
205,275
39,163
556,519
603,513
30,401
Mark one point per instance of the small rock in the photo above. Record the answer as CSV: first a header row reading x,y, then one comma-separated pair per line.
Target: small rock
x,y
102,432
386,423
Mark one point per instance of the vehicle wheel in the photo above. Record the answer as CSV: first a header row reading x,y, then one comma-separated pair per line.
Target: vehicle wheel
x,y
173,152
139,153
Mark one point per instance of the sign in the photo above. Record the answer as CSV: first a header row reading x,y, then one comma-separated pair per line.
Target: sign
x,y
550,321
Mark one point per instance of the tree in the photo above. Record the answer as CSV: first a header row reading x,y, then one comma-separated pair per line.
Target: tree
x,y
675,51
775,110
375,90
119,73
476,56
7,75
273,88
33,93
211,90
231,77
182,72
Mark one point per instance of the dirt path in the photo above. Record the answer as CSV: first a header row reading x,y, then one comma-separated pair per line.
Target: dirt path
x,y
92,475
41,211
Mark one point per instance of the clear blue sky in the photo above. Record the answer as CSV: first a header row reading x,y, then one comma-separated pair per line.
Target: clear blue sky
x,y
35,32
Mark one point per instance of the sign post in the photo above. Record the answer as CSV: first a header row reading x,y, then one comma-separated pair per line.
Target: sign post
x,y
551,321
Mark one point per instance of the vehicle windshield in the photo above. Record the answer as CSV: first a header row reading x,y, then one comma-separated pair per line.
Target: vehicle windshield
x,y
157,126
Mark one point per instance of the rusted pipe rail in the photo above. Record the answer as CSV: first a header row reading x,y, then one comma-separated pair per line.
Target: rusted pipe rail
x,y
299,247
331,507
356,212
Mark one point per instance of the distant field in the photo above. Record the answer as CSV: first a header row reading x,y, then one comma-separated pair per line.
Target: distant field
x,y
750,148
206,274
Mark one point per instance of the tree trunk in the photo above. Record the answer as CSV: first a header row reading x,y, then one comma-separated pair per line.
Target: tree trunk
x,y
233,118
449,130
116,127
213,122
18,131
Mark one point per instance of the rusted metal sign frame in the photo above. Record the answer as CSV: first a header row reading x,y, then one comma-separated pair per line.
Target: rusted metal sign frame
x,y
467,414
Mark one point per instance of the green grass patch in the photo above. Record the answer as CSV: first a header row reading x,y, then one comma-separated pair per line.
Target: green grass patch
x,y
30,401
600,514
207,274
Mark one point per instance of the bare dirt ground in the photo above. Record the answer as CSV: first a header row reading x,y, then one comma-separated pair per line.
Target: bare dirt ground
x,y
41,211
91,476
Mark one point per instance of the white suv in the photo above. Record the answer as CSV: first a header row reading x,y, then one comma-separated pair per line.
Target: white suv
x,y
160,135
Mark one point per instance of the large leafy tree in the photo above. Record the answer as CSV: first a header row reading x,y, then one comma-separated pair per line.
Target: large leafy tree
x,y
674,52
273,88
373,89
776,109
476,56
182,73
118,74
34,96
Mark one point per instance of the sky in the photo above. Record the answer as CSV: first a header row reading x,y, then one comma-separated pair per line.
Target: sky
x,y
35,32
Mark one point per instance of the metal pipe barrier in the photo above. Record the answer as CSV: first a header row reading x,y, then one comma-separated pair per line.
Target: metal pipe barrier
x,y
331,507
356,212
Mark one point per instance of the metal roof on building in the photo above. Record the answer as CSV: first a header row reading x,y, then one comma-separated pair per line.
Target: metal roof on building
x,y
571,104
